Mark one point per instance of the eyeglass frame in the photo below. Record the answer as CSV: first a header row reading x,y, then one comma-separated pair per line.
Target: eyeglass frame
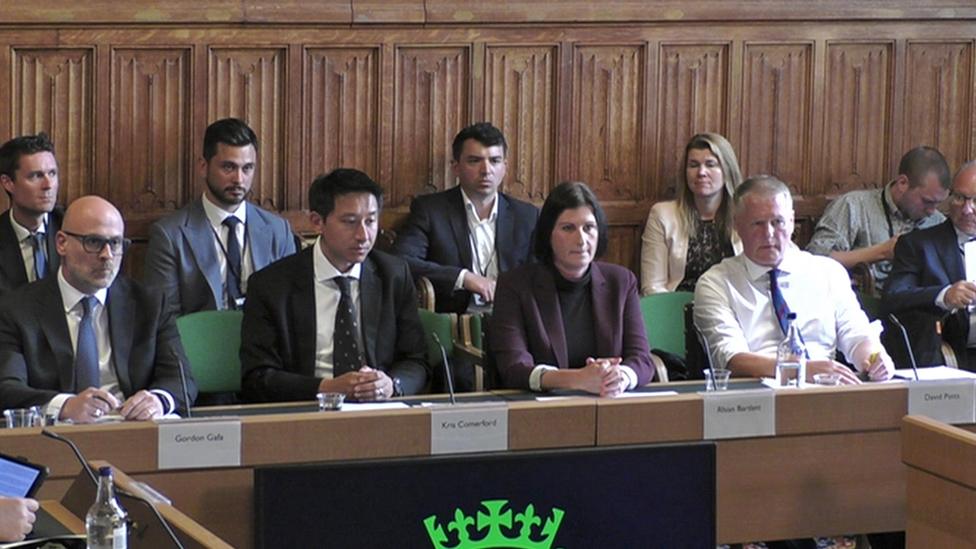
x,y
88,240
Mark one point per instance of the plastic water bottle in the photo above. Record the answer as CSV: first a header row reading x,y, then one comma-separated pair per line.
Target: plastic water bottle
x,y
105,524
791,357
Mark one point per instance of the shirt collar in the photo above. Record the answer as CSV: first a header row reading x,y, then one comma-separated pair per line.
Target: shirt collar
x,y
962,238
325,270
70,296
472,212
787,265
23,232
218,215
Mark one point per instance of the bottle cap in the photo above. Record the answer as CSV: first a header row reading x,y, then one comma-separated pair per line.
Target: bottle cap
x,y
105,471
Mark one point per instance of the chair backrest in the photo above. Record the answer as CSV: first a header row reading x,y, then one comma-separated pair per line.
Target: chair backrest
x,y
425,294
664,320
212,341
445,326
871,304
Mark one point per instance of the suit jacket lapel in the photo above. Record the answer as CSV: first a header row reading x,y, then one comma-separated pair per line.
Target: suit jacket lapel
x,y
370,301
547,299
120,315
11,260
504,234
457,216
53,226
259,238
604,320
304,327
199,234
50,312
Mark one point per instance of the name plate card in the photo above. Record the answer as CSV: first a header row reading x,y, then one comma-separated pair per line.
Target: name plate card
x,y
948,401
191,444
463,428
739,414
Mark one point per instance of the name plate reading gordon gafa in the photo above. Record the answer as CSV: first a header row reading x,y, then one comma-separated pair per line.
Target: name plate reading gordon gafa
x,y
200,443
463,428
951,401
739,414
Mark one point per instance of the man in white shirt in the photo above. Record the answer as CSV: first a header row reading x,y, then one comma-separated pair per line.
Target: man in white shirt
x,y
734,299
87,342
202,255
29,175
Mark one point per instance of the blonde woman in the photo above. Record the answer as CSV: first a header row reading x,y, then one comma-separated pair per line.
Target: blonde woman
x,y
683,238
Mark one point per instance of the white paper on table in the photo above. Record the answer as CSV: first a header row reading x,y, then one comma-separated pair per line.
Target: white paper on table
x,y
934,372
648,394
366,406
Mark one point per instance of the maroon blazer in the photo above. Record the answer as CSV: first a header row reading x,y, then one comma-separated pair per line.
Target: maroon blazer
x,y
527,327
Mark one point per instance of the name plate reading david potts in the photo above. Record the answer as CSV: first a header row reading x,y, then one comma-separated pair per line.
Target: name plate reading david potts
x,y
193,444
952,401
739,414
462,428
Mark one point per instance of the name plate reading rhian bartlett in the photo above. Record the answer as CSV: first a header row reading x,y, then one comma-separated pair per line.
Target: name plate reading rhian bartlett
x,y
463,428
952,401
191,444
739,414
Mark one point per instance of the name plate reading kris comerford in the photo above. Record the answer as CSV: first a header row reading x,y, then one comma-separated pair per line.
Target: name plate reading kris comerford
x,y
951,401
462,428
739,414
200,443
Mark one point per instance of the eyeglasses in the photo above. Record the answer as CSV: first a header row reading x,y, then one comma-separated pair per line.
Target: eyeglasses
x,y
961,199
94,244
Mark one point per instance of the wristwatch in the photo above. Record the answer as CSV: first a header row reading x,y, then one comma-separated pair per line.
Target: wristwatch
x,y
397,389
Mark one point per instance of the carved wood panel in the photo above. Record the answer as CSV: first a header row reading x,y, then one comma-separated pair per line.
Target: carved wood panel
x,y
341,121
938,98
857,107
520,97
151,103
53,92
432,102
608,118
776,93
693,98
248,83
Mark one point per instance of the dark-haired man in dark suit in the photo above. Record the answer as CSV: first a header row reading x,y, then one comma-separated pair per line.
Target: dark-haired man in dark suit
x,y
337,317
462,238
29,175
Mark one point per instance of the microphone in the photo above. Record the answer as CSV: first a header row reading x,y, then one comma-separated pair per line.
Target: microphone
x,y
118,489
704,343
908,343
183,387
447,367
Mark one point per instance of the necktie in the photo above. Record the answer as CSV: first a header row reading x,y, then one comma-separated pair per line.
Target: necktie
x,y
86,353
233,262
779,303
345,345
39,243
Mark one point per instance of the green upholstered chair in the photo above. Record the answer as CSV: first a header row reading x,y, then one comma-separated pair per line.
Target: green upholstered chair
x,y
664,320
212,341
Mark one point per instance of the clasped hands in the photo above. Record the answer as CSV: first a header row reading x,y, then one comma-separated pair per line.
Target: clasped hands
x,y
93,403
364,384
603,376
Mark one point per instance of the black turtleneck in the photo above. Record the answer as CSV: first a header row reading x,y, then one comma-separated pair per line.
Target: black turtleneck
x,y
576,307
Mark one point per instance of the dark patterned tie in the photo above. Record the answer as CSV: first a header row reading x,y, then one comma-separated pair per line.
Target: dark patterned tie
x,y
779,303
39,243
233,262
86,353
345,345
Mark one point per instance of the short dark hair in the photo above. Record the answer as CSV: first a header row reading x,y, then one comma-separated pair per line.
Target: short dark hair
x,y
482,132
11,151
326,187
229,131
567,195
921,161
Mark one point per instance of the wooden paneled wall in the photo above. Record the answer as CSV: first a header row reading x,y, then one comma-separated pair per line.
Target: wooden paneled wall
x,y
825,95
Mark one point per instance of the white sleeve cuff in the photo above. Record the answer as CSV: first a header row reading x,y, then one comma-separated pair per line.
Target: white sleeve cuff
x,y
53,407
535,378
631,376
459,283
940,300
169,405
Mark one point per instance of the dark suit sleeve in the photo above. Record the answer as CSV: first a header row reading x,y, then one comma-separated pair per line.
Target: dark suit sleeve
x,y
162,267
636,352
414,241
903,288
410,360
266,350
170,358
508,338
14,389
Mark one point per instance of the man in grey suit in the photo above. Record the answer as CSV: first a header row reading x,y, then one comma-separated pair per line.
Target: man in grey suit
x,y
29,176
202,255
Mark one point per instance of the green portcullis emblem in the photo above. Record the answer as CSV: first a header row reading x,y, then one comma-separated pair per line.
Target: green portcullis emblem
x,y
492,522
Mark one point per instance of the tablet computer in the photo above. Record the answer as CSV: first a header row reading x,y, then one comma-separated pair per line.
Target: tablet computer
x,y
19,477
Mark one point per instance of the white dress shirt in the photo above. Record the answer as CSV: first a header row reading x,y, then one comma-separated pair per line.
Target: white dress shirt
x,y
481,237
327,296
23,235
734,310
216,216
72,298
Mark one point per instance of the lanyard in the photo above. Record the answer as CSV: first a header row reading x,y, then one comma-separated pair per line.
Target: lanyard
x,y
887,212
238,271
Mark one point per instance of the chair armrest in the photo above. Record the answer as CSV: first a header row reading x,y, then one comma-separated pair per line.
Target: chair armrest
x,y
661,371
